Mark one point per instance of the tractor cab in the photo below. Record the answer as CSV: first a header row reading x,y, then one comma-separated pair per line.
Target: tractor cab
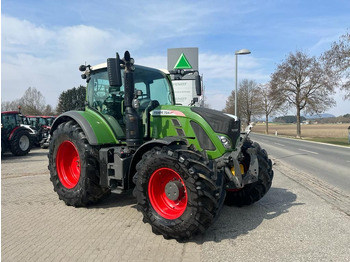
x,y
45,121
152,88
10,120
32,121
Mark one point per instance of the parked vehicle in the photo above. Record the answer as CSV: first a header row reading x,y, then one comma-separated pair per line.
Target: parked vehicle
x,y
14,136
42,126
181,162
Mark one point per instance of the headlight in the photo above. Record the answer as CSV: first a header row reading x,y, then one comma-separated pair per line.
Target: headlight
x,y
225,142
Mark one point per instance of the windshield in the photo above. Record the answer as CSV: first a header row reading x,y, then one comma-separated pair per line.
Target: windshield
x,y
32,121
109,100
153,84
10,121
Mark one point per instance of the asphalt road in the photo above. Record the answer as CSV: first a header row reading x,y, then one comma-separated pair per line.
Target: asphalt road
x,y
326,162
299,219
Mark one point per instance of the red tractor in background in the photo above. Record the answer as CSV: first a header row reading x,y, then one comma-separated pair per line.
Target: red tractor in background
x,y
42,127
14,136
45,123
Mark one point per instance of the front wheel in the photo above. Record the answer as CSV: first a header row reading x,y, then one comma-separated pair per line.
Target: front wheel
x,y
253,192
176,192
73,165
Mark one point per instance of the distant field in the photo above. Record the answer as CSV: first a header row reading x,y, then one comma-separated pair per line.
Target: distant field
x,y
307,131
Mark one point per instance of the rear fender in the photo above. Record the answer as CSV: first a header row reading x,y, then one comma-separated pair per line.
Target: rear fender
x,y
15,130
95,128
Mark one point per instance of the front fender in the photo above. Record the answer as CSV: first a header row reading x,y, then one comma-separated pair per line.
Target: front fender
x,y
148,146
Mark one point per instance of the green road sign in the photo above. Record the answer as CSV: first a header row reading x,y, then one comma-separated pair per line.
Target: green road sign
x,y
182,63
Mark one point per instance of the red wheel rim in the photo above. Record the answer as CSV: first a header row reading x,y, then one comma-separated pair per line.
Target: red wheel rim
x,y
167,208
68,164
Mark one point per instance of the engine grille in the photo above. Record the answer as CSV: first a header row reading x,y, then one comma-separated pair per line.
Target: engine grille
x,y
220,122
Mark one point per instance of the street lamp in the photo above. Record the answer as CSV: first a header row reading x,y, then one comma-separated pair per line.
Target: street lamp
x,y
239,52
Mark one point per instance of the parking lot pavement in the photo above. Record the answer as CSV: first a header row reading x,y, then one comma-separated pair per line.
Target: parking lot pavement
x,y
291,223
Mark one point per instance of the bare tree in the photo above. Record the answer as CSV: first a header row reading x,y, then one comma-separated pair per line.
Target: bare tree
x,y
230,104
271,102
10,105
305,84
248,101
32,102
337,59
48,111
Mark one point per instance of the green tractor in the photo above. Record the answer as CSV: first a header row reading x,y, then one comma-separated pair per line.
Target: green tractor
x,y
182,162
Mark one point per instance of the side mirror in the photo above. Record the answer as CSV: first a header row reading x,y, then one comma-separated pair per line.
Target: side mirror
x,y
194,100
198,85
113,68
82,68
138,93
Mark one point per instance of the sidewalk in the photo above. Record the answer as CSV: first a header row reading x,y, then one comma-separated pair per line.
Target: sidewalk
x,y
289,224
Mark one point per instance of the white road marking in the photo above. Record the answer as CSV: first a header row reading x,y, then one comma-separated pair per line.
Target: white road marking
x,y
279,144
308,151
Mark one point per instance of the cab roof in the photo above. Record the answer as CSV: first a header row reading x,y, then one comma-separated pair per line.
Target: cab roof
x,y
104,65
10,112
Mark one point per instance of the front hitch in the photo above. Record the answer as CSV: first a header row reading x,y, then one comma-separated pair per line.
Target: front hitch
x,y
233,170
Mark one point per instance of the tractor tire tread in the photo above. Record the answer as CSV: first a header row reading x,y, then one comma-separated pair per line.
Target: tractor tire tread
x,y
203,204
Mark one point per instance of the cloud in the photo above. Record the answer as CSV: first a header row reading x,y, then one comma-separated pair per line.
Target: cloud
x,y
183,18
48,59
45,49
324,43
222,66
70,42
23,36
86,42
156,61
216,99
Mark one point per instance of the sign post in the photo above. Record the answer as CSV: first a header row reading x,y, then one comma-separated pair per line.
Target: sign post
x,y
183,58
183,68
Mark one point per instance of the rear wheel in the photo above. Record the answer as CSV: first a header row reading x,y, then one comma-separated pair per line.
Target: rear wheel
x,y
3,147
253,192
73,165
177,192
20,143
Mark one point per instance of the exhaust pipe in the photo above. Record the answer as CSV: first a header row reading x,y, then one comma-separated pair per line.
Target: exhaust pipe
x,y
133,123
134,134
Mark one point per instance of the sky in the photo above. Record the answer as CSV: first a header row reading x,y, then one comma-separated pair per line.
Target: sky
x,y
43,42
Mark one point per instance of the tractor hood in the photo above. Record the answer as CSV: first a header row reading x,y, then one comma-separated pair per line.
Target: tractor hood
x,y
220,122
207,129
